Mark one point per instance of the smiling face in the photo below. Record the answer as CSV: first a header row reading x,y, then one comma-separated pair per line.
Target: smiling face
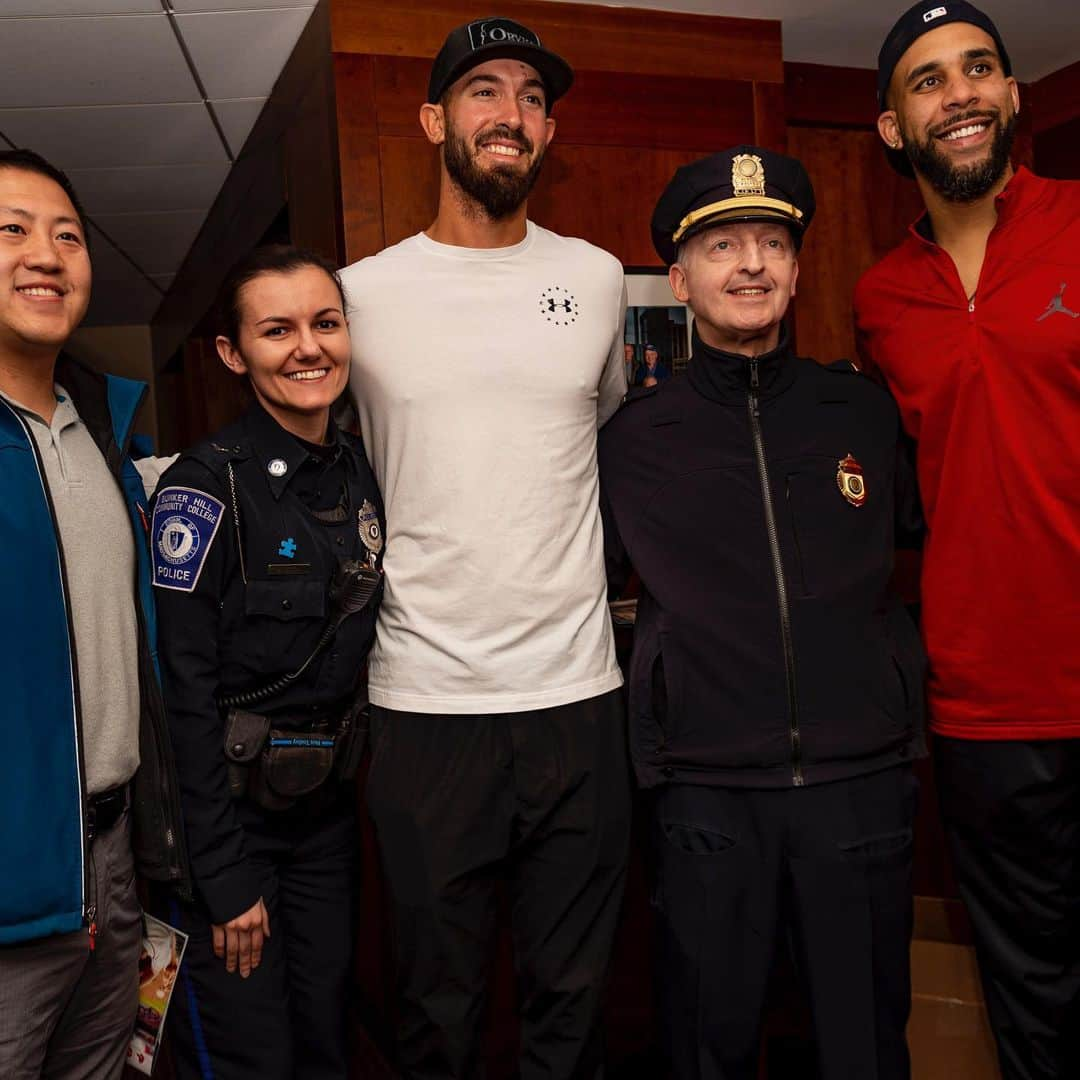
x,y
44,266
494,129
739,280
293,343
953,111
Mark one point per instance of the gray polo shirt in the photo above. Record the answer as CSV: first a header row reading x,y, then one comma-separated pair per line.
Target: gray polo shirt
x,y
99,556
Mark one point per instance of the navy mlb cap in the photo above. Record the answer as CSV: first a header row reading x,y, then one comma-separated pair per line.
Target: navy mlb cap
x,y
491,39
744,183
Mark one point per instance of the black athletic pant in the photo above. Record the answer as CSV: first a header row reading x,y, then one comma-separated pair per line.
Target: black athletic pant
x,y
286,1021
540,799
1012,819
737,871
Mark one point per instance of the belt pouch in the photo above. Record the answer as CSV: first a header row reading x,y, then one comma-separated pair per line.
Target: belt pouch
x,y
295,763
245,736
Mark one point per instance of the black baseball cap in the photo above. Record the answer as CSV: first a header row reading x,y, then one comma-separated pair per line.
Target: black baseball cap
x,y
492,39
743,183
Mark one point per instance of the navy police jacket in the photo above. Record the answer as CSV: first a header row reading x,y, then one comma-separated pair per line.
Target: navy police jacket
x,y
43,885
760,502
242,597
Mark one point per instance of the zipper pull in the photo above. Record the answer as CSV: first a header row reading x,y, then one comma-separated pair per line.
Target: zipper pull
x,y
754,384
91,918
971,306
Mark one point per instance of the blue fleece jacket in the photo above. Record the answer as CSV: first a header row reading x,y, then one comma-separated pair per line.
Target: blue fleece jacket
x,y
42,787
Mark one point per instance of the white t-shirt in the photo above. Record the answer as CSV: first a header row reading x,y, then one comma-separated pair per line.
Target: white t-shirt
x,y
482,377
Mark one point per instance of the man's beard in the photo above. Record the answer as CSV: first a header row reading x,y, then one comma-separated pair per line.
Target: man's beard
x,y
499,191
963,183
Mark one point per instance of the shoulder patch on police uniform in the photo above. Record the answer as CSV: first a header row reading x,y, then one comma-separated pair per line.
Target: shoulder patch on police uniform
x,y
186,521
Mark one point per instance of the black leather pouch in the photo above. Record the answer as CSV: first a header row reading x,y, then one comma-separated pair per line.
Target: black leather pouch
x,y
245,737
296,763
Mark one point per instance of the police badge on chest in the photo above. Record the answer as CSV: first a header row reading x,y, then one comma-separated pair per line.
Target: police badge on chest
x,y
850,480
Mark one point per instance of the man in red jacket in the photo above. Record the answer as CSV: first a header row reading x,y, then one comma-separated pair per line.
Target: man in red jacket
x,y
973,323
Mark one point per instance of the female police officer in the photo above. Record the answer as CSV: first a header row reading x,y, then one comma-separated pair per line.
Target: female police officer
x,y
267,542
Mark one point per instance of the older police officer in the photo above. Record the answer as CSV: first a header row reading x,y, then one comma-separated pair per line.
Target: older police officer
x,y
775,686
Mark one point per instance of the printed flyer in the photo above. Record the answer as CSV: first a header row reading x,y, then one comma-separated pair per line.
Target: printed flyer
x,y
162,951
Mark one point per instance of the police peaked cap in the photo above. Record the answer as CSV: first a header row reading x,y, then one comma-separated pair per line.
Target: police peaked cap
x,y
744,183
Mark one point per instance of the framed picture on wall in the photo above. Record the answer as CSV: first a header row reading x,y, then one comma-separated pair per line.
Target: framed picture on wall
x,y
657,332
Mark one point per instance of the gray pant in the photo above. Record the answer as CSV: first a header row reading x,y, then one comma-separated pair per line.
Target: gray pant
x,y
67,1012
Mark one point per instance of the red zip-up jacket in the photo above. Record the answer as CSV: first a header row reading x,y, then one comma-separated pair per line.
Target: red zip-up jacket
x,y
990,391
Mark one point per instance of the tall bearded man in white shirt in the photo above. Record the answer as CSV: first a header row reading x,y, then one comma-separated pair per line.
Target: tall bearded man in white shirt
x,y
486,353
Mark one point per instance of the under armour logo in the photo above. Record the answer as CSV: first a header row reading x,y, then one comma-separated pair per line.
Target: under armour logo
x,y
558,306
1058,304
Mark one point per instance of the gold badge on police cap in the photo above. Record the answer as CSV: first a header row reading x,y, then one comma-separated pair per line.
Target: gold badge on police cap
x,y
850,480
370,529
747,175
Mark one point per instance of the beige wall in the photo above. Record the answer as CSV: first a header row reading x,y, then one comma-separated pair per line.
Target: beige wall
x,y
121,350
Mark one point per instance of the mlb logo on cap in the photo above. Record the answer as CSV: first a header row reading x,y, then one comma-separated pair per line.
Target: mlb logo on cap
x,y
937,12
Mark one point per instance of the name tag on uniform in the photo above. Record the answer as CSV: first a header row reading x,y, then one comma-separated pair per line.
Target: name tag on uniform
x,y
185,523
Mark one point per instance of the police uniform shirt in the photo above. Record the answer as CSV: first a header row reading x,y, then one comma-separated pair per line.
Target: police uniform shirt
x,y
236,612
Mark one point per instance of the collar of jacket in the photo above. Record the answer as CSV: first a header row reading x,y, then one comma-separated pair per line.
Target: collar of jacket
x,y
724,377
271,442
106,404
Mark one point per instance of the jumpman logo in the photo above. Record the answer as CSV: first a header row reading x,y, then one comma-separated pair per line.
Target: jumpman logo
x,y
1057,304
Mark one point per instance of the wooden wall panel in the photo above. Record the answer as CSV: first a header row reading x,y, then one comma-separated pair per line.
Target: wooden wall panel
x,y
591,37
1055,110
820,95
606,195
863,210
603,109
634,114
1057,151
1055,99
358,150
770,124
614,178
410,180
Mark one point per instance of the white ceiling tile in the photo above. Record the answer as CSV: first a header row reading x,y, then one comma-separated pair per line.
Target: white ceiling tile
x,y
237,118
13,8
157,242
113,60
239,54
120,135
138,190
188,6
107,262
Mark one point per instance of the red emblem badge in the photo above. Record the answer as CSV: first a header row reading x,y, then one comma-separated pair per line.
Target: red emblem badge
x,y
849,478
